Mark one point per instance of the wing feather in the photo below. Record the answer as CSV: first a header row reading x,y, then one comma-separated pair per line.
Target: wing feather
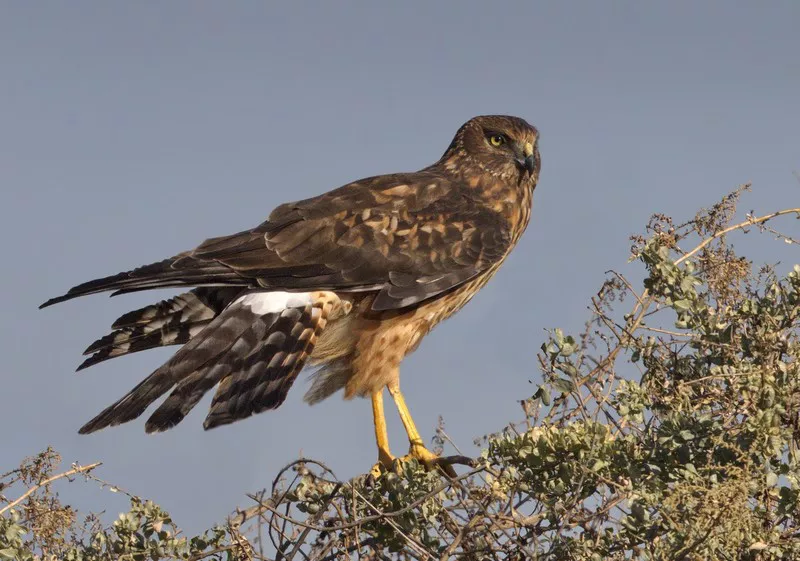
x,y
409,236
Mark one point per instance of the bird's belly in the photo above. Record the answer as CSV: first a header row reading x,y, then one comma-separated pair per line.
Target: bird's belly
x,y
385,341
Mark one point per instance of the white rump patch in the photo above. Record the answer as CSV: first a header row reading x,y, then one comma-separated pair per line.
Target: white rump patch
x,y
263,303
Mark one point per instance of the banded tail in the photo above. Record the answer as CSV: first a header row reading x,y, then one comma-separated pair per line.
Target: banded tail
x,y
170,322
251,344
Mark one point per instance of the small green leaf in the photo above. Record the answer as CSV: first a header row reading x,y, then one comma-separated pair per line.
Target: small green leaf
x,y
544,395
564,386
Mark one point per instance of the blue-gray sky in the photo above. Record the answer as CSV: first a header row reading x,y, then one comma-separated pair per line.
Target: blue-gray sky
x,y
131,131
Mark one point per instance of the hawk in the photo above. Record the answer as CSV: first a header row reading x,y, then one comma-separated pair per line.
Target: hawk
x,y
349,281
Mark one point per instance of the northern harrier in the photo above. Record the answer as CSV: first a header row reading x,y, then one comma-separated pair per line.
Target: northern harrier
x,y
349,281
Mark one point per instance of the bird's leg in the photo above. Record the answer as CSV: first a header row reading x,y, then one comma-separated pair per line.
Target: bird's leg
x,y
417,447
385,457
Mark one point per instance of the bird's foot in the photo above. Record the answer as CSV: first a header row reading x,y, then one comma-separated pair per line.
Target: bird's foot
x,y
428,459
385,463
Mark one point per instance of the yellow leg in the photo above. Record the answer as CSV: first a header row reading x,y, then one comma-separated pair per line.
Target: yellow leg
x,y
414,437
385,457
417,447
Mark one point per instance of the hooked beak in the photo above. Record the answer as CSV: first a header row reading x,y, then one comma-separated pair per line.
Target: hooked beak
x,y
528,162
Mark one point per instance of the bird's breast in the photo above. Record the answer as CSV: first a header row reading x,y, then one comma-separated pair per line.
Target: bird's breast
x,y
447,305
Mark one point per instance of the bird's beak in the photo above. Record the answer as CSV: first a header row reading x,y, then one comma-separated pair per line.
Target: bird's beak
x,y
528,162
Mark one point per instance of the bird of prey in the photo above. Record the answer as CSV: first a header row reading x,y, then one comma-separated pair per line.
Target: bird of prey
x,y
349,281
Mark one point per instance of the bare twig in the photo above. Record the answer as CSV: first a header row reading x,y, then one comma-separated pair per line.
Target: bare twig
x,y
74,471
749,222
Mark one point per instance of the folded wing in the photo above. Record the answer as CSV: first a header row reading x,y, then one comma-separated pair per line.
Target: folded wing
x,y
407,236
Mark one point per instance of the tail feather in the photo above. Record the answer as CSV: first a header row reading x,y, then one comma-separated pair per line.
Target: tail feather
x,y
134,344
132,404
264,377
218,335
255,341
258,371
253,349
200,303
170,322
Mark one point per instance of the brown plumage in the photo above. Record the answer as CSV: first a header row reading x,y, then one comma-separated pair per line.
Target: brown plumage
x,y
349,281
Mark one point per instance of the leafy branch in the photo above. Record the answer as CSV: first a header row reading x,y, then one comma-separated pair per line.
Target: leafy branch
x,y
665,429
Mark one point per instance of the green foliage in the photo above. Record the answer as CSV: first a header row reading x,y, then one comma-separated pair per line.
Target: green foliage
x,y
664,430
39,527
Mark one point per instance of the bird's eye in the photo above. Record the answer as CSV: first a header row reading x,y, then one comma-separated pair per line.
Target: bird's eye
x,y
497,140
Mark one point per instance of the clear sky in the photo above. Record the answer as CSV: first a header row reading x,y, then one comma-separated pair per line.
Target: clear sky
x,y
132,131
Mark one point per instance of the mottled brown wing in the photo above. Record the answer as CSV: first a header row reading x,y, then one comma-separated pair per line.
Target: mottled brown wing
x,y
410,237
407,236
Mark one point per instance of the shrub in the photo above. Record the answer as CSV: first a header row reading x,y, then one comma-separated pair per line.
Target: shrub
x,y
666,429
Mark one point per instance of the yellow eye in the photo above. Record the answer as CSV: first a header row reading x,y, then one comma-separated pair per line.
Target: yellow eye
x,y
497,140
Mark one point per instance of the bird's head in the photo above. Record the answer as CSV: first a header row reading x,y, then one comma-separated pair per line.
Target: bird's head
x,y
500,145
